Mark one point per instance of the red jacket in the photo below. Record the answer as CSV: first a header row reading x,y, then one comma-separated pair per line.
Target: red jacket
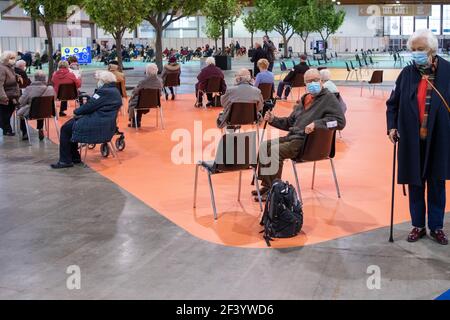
x,y
64,76
209,72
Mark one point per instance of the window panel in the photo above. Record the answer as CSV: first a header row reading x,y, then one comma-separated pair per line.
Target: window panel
x,y
421,23
407,25
435,19
446,24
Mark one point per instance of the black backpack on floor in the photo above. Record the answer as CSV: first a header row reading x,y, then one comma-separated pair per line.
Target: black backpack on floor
x,y
283,215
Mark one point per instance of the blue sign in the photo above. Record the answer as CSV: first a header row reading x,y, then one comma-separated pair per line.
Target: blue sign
x,y
83,54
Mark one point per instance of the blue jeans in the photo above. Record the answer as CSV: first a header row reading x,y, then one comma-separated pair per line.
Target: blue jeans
x,y
436,204
281,87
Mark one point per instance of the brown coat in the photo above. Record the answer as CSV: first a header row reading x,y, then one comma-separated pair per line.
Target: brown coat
x,y
9,89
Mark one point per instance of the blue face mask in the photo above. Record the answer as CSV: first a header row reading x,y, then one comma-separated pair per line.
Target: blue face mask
x,y
420,57
314,88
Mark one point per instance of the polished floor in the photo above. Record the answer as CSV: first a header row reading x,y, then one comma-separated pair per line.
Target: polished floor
x,y
132,230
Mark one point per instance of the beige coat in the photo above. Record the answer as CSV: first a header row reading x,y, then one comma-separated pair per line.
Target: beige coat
x,y
9,89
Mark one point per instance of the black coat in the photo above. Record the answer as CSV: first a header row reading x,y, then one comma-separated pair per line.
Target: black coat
x,y
97,122
403,114
258,54
301,68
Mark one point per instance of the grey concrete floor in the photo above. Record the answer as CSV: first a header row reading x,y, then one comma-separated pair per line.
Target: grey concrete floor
x,y
51,220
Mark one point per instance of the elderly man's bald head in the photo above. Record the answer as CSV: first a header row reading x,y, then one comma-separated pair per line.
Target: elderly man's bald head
x,y
243,75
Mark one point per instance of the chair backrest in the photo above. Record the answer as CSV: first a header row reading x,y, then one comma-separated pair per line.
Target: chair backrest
x,y
266,90
119,87
242,113
321,68
236,151
371,60
42,108
351,64
283,66
319,145
172,80
213,85
149,98
377,77
348,68
299,81
67,91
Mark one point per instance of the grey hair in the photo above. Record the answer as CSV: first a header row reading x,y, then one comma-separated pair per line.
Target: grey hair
x,y
151,69
63,64
105,76
243,75
6,55
210,60
40,76
312,72
21,63
432,41
325,74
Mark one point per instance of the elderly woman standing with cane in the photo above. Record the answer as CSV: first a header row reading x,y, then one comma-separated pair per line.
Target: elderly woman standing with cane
x,y
418,116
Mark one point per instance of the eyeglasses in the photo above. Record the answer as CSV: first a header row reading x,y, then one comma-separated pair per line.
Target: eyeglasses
x,y
312,80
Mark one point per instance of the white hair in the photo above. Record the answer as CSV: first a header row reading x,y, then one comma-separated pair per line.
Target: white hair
x,y
40,76
6,55
21,63
325,75
432,41
151,69
312,72
105,76
210,60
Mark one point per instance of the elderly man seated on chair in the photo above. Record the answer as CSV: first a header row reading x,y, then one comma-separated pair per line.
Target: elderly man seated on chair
x,y
317,109
93,122
243,92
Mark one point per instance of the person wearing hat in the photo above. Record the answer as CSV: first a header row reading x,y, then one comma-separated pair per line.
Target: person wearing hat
x,y
301,68
113,67
171,68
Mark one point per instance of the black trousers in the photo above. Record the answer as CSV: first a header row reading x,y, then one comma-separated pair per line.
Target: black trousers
x,y
63,106
170,88
6,112
23,127
68,150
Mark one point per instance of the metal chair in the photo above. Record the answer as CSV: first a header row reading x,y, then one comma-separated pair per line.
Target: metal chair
x,y
299,82
149,99
266,90
377,78
318,146
67,92
212,87
172,80
42,108
355,70
243,114
284,69
236,152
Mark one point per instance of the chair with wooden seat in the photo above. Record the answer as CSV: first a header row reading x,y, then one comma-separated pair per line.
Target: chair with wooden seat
x,y
172,81
42,108
149,99
213,87
67,92
376,79
266,90
242,114
236,152
318,146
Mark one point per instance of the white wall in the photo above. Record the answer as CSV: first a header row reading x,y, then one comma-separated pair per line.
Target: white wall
x,y
11,28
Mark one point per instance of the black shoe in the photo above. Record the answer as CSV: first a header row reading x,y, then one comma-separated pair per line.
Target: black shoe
x,y
167,97
173,97
41,134
61,165
133,125
62,114
77,161
25,137
9,134
262,191
209,104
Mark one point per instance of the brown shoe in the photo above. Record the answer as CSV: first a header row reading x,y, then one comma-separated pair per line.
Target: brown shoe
x,y
416,234
439,236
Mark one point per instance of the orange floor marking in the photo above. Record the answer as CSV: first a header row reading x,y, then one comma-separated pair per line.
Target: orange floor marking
x,y
363,164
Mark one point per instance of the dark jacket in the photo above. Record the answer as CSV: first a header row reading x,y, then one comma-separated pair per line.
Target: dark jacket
x,y
97,118
258,54
270,49
209,72
301,68
324,109
26,81
403,114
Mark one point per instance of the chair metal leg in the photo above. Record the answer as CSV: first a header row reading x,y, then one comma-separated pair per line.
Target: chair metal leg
x,y
56,127
135,119
335,179
240,184
211,190
162,118
114,151
314,175
195,185
47,127
28,131
255,175
85,146
296,181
